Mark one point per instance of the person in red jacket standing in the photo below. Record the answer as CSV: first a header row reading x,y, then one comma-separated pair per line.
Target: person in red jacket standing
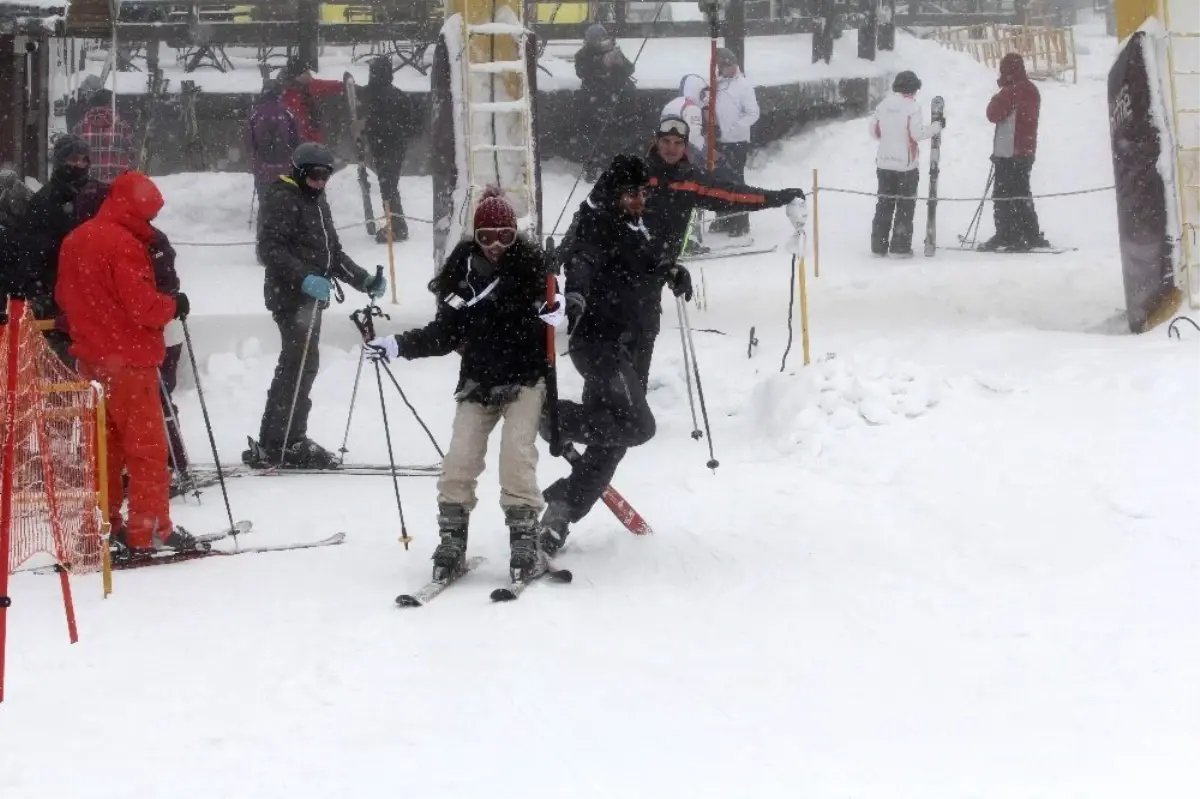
x,y
1014,111
300,88
107,290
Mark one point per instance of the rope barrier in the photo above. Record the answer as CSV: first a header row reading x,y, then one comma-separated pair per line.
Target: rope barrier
x,y
964,199
380,220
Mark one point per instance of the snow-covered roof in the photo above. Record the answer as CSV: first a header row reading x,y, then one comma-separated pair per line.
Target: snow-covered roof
x,y
33,7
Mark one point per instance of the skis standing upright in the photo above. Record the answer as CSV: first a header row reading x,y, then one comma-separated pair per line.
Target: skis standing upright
x,y
937,114
360,150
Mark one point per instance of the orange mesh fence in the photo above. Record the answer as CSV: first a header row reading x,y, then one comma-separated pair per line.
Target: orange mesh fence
x,y
55,488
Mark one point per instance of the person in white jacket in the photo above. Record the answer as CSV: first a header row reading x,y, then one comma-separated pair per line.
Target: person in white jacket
x,y
898,125
737,111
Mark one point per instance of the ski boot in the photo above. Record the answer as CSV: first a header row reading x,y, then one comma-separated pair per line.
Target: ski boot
x,y
555,530
308,454
178,540
450,557
524,558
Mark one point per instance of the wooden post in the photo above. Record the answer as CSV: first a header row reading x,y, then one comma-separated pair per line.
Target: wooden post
x,y
816,218
101,449
804,310
391,245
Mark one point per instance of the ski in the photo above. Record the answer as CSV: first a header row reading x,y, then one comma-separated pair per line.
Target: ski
x,y
965,247
197,554
206,475
517,587
360,149
727,252
937,114
616,503
426,593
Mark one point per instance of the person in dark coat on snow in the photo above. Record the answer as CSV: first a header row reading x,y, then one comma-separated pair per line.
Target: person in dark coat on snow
x,y
70,198
166,280
677,187
391,120
14,205
1014,110
607,97
615,272
272,135
304,262
491,309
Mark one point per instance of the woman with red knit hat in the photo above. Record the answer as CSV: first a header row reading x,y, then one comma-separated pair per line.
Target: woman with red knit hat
x,y
491,309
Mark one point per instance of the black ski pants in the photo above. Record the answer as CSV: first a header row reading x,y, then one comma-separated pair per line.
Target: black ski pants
x,y
294,368
388,171
894,217
613,416
1016,220
734,156
167,371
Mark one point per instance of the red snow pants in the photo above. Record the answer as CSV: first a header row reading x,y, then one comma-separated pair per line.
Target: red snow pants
x,y
137,443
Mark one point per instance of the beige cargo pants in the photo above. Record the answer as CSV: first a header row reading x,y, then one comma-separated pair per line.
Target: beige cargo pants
x,y
473,425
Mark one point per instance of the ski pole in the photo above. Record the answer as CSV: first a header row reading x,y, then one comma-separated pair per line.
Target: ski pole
x,y
556,448
350,415
416,415
363,319
687,374
253,198
972,234
172,418
287,431
212,441
713,463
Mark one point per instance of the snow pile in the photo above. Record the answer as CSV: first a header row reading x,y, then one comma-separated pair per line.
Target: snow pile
x,y
798,411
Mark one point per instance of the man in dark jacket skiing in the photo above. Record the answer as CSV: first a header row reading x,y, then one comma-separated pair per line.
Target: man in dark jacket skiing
x,y
677,187
70,198
391,118
615,272
304,260
1014,110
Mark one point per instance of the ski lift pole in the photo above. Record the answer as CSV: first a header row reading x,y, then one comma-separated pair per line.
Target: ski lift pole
x,y
712,9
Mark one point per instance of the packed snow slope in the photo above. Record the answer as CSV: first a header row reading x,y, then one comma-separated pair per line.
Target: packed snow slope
x,y
956,556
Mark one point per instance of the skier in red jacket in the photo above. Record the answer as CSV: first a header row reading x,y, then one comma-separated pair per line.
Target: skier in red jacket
x,y
1014,111
107,290
300,88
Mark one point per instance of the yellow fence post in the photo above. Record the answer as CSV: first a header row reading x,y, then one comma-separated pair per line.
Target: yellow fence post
x,y
391,242
102,490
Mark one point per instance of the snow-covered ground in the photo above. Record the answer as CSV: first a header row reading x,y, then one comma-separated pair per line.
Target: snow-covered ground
x,y
955,557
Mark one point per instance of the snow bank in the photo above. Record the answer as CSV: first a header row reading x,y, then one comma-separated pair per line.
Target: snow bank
x,y
797,411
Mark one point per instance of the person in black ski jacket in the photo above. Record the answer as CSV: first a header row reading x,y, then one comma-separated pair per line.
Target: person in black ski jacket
x,y
391,120
615,273
607,98
14,205
491,309
166,280
304,260
678,187
70,198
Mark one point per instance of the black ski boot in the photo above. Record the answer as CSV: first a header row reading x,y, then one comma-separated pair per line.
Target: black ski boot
x,y
555,530
522,541
308,454
450,557
178,540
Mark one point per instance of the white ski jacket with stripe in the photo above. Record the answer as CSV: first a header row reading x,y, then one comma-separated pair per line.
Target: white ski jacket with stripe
x,y
898,124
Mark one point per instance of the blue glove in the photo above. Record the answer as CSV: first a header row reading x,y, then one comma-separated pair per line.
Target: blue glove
x,y
376,287
316,287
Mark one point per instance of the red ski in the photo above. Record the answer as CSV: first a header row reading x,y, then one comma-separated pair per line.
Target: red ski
x,y
616,503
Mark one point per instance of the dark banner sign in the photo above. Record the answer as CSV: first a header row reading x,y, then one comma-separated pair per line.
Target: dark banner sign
x,y
1142,198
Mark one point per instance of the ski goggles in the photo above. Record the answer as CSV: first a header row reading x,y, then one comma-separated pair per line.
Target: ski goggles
x,y
673,126
488,236
318,173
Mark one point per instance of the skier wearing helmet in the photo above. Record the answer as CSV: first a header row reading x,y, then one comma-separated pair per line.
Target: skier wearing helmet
x,y
737,111
898,124
615,273
299,246
491,310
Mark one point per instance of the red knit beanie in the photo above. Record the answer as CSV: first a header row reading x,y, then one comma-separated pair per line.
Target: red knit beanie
x,y
494,211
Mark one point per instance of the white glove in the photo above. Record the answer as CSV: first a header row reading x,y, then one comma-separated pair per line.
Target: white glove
x,y
797,211
556,317
384,348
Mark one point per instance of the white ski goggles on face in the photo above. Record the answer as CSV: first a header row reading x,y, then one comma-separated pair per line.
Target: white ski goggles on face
x,y
487,236
674,126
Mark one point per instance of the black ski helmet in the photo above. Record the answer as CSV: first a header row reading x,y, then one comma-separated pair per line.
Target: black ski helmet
x,y
380,71
311,154
907,82
627,172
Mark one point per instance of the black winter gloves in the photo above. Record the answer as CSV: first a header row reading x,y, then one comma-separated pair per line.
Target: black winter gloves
x,y
679,280
182,306
576,305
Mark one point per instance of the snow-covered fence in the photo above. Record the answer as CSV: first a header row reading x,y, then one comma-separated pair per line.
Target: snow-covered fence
x,y
1049,52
